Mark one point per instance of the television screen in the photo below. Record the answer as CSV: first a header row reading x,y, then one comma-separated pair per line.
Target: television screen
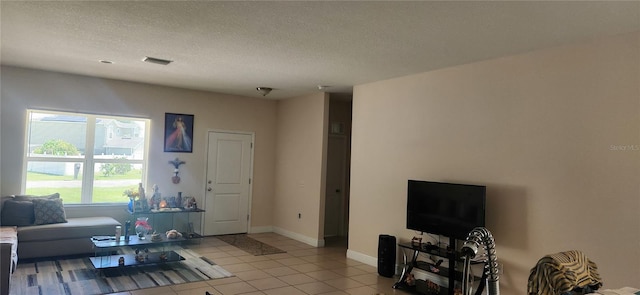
x,y
448,209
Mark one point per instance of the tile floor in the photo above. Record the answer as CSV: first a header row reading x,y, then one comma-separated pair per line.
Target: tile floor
x,y
303,270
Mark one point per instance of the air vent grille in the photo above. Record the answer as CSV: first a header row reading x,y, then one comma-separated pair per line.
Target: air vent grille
x,y
159,61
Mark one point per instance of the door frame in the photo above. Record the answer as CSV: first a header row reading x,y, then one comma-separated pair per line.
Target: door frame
x,y
204,182
342,220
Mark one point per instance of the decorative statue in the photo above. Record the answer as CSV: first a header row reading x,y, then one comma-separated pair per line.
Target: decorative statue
x,y
141,192
142,199
176,164
154,201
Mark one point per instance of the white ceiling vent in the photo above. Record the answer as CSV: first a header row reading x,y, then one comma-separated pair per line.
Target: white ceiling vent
x,y
159,61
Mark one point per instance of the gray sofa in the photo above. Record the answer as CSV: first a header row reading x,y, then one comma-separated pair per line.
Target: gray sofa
x,y
69,238
21,241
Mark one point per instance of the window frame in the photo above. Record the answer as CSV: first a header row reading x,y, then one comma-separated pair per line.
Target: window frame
x,y
88,159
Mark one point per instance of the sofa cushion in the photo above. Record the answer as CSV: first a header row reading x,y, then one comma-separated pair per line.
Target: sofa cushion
x,y
47,211
32,197
17,213
21,210
74,228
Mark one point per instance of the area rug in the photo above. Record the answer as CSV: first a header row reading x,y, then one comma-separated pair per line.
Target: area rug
x,y
250,245
76,275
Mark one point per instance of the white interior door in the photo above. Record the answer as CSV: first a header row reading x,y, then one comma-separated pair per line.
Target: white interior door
x,y
229,164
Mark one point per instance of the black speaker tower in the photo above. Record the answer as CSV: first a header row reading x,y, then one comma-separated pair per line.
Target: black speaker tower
x,y
386,255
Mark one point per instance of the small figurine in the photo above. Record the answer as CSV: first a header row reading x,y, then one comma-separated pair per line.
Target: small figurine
x,y
173,234
139,256
191,201
416,241
155,237
121,261
410,280
141,194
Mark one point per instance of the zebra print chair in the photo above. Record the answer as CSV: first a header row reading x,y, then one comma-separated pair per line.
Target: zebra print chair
x,y
564,273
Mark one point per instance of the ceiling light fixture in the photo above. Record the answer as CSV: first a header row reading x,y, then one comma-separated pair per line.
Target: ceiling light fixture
x,y
323,87
264,90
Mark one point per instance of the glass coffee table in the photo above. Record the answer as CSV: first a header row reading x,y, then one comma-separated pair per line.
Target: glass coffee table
x,y
105,246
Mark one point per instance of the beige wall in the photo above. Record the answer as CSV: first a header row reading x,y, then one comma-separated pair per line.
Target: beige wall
x,y
301,154
22,89
545,131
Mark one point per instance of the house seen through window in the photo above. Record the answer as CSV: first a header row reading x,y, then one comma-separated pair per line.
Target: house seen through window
x,y
88,159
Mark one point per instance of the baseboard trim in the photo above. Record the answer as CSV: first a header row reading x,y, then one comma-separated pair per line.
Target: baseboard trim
x,y
370,260
298,237
366,259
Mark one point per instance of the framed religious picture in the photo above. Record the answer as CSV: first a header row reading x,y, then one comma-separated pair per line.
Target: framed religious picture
x,y
178,133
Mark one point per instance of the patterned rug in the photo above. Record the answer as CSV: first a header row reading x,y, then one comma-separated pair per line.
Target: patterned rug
x,y
250,245
76,275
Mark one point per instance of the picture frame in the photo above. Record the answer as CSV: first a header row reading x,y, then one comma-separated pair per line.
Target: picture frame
x,y
178,133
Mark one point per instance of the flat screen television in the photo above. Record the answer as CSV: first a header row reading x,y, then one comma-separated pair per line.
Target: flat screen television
x,y
448,209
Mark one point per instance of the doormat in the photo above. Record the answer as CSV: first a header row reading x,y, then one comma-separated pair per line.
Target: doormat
x,y
250,245
77,276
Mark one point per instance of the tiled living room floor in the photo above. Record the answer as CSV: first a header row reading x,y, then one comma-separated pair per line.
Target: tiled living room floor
x,y
302,270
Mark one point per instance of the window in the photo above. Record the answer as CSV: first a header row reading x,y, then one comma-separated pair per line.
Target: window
x,y
78,156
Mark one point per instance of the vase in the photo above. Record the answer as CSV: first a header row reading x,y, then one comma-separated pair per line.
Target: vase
x,y
142,227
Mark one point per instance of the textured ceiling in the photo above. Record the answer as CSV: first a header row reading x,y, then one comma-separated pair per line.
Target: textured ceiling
x,y
233,47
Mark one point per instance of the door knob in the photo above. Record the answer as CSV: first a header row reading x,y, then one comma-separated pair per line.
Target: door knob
x,y
209,189
209,182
